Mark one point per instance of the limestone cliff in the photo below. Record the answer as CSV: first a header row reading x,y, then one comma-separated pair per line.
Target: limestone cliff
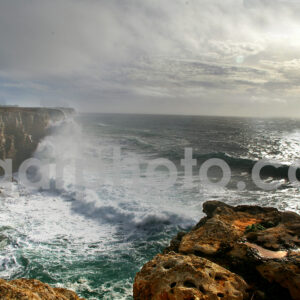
x,y
22,128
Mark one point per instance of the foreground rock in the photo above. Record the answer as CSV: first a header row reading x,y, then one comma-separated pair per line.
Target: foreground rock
x,y
174,276
31,289
259,244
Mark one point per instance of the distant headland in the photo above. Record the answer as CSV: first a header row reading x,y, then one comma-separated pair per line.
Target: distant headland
x,y
22,128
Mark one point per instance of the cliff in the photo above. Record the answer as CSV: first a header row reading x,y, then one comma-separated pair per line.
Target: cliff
x,y
243,252
22,128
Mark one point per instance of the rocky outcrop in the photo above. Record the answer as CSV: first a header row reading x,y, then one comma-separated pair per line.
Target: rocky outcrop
x,y
31,289
261,245
174,276
22,128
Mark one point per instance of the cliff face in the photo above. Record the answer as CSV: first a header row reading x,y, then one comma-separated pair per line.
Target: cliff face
x,y
21,129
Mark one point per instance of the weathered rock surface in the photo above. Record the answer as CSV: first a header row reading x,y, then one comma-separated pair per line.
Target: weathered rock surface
x,y
31,289
21,129
259,244
174,276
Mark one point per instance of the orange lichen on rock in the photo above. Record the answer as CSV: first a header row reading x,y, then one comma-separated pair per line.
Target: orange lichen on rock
x,y
242,224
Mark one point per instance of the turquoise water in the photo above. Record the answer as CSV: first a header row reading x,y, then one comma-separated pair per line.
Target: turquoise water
x,y
96,243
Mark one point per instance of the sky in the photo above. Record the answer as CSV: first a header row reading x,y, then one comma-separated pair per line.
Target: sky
x,y
199,57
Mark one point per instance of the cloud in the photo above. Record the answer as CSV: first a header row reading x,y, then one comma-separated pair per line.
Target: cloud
x,y
151,56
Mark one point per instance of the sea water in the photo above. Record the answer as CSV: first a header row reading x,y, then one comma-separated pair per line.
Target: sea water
x,y
92,235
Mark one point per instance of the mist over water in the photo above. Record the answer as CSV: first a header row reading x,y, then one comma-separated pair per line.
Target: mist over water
x,y
96,243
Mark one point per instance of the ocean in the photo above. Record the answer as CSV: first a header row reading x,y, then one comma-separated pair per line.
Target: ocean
x,y
93,233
